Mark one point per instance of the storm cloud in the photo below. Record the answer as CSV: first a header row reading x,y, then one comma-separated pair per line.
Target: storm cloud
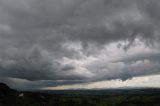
x,y
76,41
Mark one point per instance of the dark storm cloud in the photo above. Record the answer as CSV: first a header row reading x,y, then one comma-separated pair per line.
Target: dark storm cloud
x,y
49,40
22,84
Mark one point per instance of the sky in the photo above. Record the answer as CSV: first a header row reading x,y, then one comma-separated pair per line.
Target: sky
x,y
79,44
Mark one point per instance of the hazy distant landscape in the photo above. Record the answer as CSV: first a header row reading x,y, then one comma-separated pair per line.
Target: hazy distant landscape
x,y
117,97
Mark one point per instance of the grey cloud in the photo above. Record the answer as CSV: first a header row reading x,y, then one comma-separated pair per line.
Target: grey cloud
x,y
143,56
43,40
22,84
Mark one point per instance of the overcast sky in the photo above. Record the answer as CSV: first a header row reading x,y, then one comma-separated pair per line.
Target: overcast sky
x,y
60,43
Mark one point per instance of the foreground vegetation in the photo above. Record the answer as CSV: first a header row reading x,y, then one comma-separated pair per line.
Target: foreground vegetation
x,y
37,99
9,97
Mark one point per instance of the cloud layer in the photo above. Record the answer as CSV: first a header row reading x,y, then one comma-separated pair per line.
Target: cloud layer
x,y
76,41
